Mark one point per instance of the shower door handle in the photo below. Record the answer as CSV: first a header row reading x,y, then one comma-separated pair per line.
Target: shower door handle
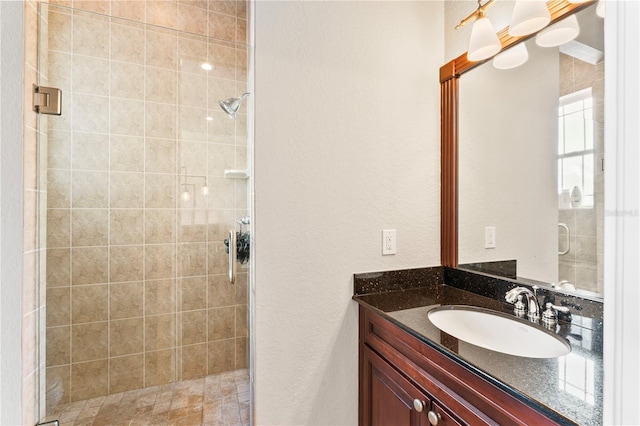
x,y
232,256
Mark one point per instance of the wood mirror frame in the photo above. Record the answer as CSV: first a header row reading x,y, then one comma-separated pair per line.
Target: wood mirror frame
x,y
449,91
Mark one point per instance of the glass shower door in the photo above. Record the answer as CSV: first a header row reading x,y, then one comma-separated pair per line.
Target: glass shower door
x,y
138,205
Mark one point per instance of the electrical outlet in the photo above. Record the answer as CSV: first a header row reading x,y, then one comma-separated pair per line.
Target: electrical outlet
x,y
388,241
490,237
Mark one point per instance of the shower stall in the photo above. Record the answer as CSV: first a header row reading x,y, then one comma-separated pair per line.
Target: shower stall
x,y
137,204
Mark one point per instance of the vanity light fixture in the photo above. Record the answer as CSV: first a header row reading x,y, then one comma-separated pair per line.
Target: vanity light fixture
x,y
559,33
484,42
528,17
511,58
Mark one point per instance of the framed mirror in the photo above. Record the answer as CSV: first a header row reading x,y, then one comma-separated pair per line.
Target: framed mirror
x,y
522,158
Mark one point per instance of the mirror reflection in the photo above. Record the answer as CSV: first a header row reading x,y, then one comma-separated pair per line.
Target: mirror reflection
x,y
531,156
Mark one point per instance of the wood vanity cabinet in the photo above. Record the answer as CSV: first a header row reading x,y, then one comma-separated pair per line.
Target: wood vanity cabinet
x,y
405,382
394,400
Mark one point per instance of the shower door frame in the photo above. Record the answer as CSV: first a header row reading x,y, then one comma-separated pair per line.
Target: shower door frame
x,y
250,302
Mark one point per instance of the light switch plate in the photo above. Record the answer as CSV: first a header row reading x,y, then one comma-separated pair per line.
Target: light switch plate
x,y
490,237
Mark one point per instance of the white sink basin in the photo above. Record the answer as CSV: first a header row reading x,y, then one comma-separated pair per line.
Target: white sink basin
x,y
498,332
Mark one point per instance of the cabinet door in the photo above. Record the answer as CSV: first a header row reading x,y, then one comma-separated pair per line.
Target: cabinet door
x,y
389,398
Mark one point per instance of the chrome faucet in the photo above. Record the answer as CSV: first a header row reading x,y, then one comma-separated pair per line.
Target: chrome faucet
x,y
515,295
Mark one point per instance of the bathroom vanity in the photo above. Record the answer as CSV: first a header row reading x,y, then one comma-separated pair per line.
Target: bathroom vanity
x,y
411,373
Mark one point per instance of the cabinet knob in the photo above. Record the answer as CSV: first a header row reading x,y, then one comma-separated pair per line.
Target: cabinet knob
x,y
433,417
418,405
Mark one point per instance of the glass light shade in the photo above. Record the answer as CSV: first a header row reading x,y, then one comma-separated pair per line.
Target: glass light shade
x,y
600,8
484,42
511,58
559,33
528,17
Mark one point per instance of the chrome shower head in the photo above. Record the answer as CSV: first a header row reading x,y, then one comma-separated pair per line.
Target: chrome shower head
x,y
231,105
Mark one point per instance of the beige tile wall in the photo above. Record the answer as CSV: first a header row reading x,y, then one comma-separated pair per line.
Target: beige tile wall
x,y
584,264
137,291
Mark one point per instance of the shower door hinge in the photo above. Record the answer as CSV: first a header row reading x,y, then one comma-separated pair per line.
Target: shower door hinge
x,y
47,100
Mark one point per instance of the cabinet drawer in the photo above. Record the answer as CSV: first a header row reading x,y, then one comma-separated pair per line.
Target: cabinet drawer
x,y
473,399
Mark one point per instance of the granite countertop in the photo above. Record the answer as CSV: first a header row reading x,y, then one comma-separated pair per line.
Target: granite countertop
x,y
570,385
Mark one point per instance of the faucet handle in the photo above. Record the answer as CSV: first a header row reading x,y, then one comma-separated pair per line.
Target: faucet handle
x,y
520,309
550,314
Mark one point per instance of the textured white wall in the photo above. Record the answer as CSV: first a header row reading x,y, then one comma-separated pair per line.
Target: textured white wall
x,y
508,165
12,66
346,144
1,390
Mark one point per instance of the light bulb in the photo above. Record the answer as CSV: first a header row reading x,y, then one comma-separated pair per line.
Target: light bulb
x,y
484,42
208,118
186,196
207,67
205,190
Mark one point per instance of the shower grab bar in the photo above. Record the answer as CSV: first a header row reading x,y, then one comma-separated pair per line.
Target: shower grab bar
x,y
567,243
232,256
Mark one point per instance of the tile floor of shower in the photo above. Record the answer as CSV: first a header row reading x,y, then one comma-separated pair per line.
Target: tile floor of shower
x,y
221,399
